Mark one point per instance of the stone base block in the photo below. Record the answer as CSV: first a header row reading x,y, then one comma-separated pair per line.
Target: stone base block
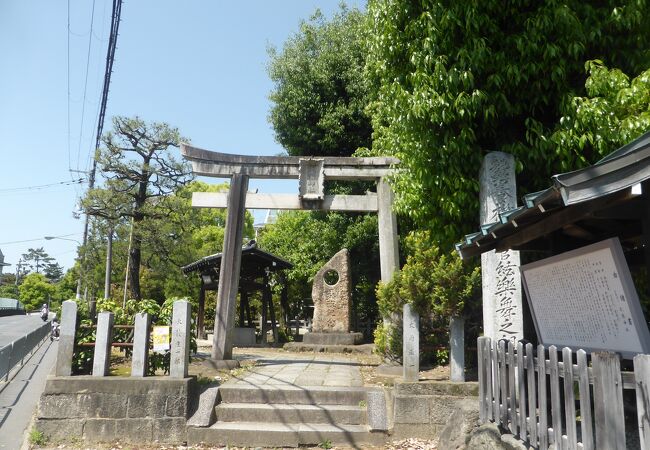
x,y
351,338
243,337
222,364
367,349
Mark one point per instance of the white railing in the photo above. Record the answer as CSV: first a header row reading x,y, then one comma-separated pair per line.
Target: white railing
x,y
526,391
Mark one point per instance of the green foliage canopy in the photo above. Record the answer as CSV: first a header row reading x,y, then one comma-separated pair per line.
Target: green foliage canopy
x,y
455,80
615,111
320,90
35,290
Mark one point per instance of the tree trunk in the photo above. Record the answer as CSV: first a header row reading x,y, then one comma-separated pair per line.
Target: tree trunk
x,y
135,256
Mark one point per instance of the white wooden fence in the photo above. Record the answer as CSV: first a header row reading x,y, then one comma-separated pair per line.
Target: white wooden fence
x,y
525,390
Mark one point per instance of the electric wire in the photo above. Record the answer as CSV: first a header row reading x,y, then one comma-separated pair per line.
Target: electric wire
x,y
83,104
42,186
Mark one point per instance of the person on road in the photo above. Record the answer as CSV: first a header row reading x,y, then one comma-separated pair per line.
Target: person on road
x,y
56,330
44,312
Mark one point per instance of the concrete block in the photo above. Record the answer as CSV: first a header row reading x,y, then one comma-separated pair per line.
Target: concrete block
x,y
334,414
411,409
125,386
177,406
103,340
467,389
170,430
146,406
140,356
180,346
441,408
57,430
292,395
333,338
66,338
243,337
126,430
376,410
83,405
414,430
204,416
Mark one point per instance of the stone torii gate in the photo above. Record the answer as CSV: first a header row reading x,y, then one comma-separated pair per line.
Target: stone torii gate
x,y
311,173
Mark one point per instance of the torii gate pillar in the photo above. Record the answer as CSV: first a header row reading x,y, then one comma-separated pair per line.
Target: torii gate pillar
x,y
230,269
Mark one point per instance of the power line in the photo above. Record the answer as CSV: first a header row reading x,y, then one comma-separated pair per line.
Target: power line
x,y
83,104
43,186
33,240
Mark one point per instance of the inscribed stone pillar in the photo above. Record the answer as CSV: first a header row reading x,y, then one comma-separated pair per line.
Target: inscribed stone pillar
x,y
103,341
502,309
180,347
140,356
230,268
411,343
66,339
333,302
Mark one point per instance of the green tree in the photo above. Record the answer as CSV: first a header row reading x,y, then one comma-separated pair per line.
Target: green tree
x,y
455,80
140,171
37,260
320,90
9,291
309,239
35,290
615,111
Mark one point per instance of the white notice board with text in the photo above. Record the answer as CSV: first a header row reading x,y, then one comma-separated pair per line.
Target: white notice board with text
x,y
586,299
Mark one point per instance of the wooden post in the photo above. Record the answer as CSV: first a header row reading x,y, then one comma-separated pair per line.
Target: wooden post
x,y
556,407
512,388
532,397
230,268
503,380
482,389
585,401
608,401
521,381
243,304
541,395
264,317
569,398
200,314
642,380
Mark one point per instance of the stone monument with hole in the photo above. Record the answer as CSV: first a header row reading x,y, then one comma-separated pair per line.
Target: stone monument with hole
x,y
332,297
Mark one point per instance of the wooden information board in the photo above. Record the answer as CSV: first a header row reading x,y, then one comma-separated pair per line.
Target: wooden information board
x,y
586,299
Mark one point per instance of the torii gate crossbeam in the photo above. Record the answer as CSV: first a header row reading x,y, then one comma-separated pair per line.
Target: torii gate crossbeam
x,y
311,173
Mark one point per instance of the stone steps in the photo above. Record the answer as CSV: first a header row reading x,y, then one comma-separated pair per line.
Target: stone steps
x,y
265,434
292,394
286,415
267,413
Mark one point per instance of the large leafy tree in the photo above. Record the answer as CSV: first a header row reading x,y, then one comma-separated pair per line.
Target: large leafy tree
x,y
455,80
140,170
35,290
320,90
614,111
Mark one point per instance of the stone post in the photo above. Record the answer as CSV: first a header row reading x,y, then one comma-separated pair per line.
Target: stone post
x,y
140,357
502,309
103,341
387,225
66,339
457,348
411,343
180,348
230,267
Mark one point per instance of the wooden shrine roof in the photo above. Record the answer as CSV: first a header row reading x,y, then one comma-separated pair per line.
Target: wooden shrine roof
x,y
580,207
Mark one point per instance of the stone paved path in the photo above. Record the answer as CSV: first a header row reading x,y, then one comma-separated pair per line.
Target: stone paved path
x,y
299,370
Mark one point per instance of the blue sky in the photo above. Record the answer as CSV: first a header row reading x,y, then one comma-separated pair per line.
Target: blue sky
x,y
198,65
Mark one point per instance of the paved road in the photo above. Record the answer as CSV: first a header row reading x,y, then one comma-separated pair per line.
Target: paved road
x,y
14,327
18,398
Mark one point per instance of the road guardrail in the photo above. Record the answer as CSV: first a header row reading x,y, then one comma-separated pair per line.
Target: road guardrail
x,y
14,354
